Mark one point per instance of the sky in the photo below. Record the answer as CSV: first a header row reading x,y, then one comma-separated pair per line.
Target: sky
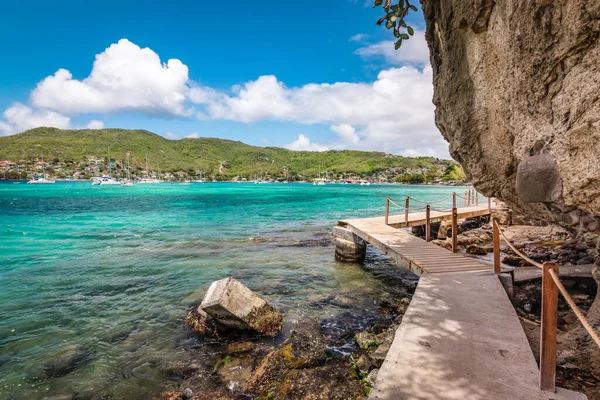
x,y
311,75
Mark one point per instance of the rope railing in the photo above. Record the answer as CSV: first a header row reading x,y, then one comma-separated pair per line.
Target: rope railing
x,y
471,198
551,286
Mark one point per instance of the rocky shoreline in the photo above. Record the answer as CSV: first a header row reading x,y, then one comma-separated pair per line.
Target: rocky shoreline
x,y
329,359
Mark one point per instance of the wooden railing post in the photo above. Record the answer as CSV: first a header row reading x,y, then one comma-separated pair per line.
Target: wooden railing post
x,y
469,201
465,199
476,194
548,329
406,209
453,200
428,223
454,229
387,209
489,204
496,239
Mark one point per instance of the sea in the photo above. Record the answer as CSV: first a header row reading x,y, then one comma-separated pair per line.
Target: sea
x,y
95,281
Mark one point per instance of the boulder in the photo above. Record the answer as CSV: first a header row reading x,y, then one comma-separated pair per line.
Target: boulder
x,y
230,307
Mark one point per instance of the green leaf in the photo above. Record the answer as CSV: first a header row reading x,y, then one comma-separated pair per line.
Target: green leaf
x,y
402,23
380,20
410,30
412,7
390,24
396,33
398,44
377,3
404,36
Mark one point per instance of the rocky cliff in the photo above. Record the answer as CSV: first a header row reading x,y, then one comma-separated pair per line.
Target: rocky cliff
x,y
517,95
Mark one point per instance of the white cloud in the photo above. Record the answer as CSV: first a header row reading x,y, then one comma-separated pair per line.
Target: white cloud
x,y
95,124
394,113
193,135
304,143
359,37
346,132
412,52
19,117
123,77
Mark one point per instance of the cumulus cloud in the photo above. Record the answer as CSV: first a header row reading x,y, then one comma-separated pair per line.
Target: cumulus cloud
x,y
394,113
95,124
19,117
304,143
123,77
412,52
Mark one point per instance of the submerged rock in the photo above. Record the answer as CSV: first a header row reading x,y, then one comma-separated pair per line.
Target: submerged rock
x,y
230,307
296,369
66,361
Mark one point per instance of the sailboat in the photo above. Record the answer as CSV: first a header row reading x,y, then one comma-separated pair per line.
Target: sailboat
x,y
319,181
40,179
127,182
107,179
147,180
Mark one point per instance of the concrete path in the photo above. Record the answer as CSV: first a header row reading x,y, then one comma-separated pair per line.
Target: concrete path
x,y
461,339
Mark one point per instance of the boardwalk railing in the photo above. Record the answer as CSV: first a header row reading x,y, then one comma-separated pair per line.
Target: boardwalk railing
x,y
551,285
471,198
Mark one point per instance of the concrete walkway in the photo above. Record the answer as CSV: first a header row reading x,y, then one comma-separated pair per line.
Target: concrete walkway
x,y
461,339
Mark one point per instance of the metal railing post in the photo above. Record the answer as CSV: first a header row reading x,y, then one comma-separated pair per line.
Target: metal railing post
x,y
454,230
387,209
548,329
406,209
496,239
428,223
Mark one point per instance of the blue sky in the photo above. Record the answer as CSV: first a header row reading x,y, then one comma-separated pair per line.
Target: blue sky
x,y
306,75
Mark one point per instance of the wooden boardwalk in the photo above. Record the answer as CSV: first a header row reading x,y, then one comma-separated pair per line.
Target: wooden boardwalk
x,y
410,251
460,338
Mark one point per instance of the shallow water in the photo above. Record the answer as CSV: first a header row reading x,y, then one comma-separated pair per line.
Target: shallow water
x,y
104,276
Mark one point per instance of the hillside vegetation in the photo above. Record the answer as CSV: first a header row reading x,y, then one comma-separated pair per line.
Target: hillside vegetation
x,y
201,154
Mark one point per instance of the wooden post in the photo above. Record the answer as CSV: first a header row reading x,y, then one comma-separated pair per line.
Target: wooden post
x,y
465,199
469,197
489,204
496,238
453,200
454,229
428,223
387,209
548,329
476,194
406,209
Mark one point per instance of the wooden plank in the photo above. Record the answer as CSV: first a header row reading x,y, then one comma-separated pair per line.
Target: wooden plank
x,y
548,331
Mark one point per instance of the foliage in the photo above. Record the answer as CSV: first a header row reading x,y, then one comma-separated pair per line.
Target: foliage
x,y
200,156
394,18
454,172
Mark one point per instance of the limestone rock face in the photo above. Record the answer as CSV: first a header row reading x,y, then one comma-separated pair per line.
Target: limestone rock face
x,y
517,96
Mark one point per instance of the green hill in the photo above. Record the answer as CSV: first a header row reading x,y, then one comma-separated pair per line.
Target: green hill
x,y
202,154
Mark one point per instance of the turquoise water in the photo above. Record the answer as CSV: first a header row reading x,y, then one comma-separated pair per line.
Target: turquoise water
x,y
108,273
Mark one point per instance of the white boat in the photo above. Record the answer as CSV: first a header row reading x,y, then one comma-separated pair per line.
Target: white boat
x,y
319,182
40,180
126,183
107,180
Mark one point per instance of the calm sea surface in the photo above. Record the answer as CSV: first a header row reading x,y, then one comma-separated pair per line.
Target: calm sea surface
x,y
103,276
